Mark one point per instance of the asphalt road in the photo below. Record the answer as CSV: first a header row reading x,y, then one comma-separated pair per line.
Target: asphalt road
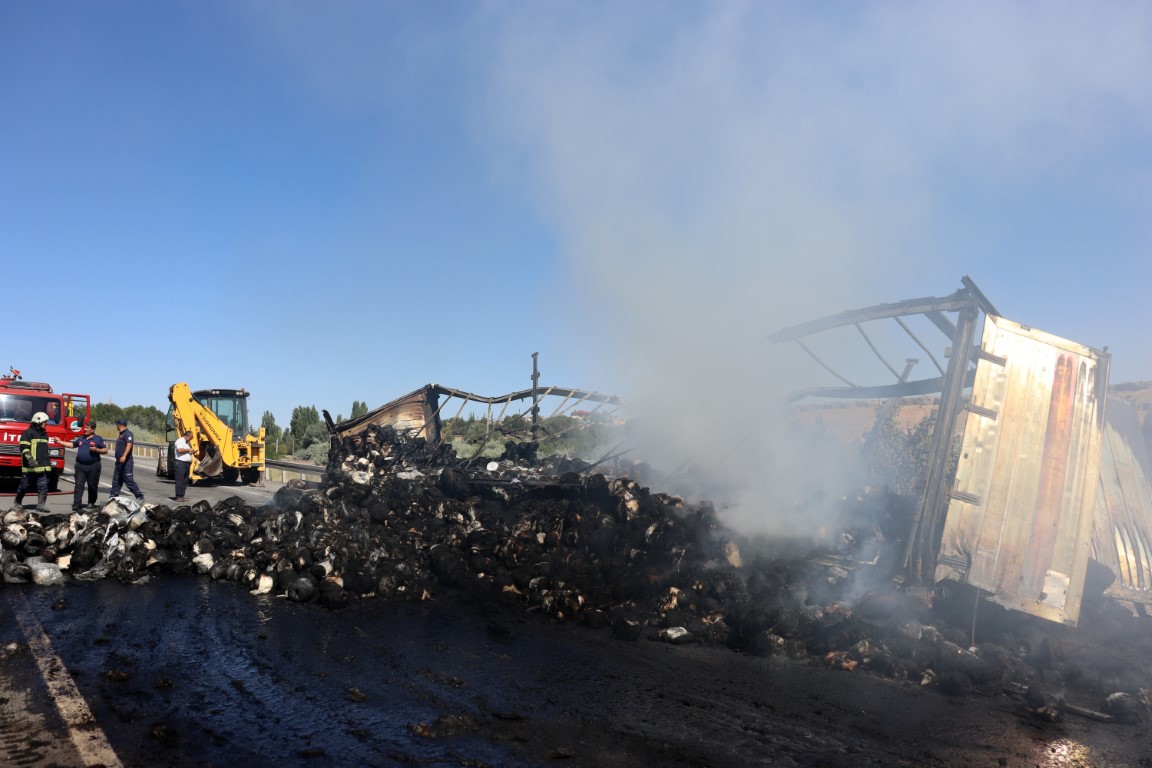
x,y
185,672
156,490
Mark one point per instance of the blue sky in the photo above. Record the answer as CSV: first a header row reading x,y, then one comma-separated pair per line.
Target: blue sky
x,y
345,201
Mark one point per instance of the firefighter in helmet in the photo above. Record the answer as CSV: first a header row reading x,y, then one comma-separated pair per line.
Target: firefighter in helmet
x,y
35,466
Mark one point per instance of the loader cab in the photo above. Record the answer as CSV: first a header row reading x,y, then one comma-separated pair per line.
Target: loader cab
x,y
229,405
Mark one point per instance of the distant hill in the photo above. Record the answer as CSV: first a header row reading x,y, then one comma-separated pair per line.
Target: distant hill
x,y
849,421
1139,393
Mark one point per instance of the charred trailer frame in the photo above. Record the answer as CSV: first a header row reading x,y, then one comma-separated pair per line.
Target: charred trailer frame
x,y
1016,500
416,413
419,413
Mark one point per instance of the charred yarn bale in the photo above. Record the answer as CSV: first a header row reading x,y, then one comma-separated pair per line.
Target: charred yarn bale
x,y
288,495
85,555
453,484
14,535
35,542
1126,707
521,453
15,571
1043,704
359,580
331,593
960,670
626,628
301,587
1005,667
757,623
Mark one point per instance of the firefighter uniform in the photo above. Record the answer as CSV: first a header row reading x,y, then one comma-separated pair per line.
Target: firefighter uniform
x,y
35,465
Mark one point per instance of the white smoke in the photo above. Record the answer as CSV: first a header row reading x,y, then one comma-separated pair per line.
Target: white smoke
x,y
720,171
716,171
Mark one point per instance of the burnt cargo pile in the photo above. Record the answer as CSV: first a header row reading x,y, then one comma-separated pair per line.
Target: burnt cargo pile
x,y
397,519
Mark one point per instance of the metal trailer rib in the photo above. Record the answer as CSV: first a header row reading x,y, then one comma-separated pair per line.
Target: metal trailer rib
x,y
922,345
491,426
876,351
823,365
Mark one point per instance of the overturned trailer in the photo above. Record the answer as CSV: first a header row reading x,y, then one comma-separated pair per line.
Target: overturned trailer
x,y
1034,483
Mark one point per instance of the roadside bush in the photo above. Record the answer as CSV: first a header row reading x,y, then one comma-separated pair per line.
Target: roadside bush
x,y
316,452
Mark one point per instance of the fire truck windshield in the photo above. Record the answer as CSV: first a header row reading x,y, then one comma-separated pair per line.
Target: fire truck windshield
x,y
21,407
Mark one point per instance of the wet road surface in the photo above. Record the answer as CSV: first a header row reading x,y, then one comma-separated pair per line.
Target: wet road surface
x,y
183,671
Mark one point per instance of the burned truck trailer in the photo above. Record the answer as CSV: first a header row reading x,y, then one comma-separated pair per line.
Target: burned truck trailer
x,y
1033,480
418,413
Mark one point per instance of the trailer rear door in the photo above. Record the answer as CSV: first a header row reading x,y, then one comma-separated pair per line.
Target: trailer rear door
x,y
1020,512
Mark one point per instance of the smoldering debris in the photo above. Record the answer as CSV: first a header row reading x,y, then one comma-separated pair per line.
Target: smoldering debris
x,y
399,519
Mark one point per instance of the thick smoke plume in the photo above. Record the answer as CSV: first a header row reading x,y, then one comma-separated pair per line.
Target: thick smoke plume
x,y
724,171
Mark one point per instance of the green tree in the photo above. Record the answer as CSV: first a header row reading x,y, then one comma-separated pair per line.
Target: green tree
x,y
272,436
475,430
359,408
303,416
142,418
317,452
106,414
316,433
271,429
146,417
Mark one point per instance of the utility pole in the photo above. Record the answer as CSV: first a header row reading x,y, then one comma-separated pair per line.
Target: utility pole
x,y
535,403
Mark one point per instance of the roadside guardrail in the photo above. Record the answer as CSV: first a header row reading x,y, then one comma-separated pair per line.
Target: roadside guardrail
x,y
283,471
274,471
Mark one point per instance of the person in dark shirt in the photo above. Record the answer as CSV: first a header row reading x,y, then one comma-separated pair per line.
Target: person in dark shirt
x,y
122,475
89,448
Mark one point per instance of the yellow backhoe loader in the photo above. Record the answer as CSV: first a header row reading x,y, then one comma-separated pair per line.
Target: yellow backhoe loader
x,y
222,448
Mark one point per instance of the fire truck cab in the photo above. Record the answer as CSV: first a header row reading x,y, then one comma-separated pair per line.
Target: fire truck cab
x,y
19,400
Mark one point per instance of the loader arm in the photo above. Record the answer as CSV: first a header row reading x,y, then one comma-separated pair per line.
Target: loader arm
x,y
211,437
214,445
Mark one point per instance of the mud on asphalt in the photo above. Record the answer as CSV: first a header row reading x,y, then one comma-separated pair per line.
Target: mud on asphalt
x,y
184,671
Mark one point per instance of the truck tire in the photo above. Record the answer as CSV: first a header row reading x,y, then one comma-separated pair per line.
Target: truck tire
x,y
251,476
229,475
170,467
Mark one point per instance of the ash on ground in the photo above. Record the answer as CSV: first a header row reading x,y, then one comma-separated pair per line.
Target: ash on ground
x,y
398,519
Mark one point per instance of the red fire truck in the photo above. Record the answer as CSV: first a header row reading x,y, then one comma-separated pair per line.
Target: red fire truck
x,y
19,400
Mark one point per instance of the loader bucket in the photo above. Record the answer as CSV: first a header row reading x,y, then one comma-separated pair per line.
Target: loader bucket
x,y
209,466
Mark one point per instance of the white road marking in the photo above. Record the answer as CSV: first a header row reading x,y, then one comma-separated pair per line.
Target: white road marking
x,y
86,734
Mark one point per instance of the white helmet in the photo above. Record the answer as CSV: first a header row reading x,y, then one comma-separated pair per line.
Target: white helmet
x,y
40,418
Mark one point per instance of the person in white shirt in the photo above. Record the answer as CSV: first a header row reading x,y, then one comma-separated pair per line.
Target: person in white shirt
x,y
183,464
